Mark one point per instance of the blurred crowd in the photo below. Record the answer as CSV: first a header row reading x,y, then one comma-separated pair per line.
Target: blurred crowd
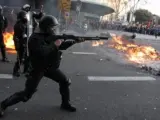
x,y
135,28
96,25
154,30
11,13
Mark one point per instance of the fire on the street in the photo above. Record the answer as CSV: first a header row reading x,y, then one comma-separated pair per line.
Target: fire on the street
x,y
135,53
97,43
140,54
8,40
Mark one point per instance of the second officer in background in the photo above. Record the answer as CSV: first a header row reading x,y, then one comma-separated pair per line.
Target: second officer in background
x,y
20,40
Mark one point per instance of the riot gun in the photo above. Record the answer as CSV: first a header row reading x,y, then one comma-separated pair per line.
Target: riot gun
x,y
86,38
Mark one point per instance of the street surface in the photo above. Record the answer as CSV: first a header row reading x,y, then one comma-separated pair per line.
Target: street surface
x,y
102,89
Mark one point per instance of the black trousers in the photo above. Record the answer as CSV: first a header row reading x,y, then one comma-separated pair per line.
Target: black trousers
x,y
21,59
2,46
33,82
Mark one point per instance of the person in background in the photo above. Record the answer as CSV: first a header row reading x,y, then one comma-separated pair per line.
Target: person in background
x,y
3,26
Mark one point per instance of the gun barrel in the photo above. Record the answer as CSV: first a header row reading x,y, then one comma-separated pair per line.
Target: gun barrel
x,y
95,38
89,38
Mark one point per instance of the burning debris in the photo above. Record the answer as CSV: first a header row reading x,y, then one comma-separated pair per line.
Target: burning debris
x,y
139,54
146,57
97,43
8,40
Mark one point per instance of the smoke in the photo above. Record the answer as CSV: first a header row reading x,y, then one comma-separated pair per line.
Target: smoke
x,y
51,7
13,3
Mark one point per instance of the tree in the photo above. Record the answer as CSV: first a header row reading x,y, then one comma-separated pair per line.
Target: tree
x,y
128,16
118,5
142,15
159,21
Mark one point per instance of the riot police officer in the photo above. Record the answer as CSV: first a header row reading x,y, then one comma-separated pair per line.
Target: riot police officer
x,y
3,26
45,56
20,40
35,16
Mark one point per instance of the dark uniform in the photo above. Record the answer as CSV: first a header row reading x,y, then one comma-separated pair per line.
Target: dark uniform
x,y
20,40
45,57
3,26
34,17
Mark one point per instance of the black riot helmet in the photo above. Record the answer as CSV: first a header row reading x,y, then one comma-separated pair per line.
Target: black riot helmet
x,y
22,15
1,9
26,7
48,24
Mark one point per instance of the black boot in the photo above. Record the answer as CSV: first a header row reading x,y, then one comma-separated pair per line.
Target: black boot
x,y
12,100
68,107
65,93
4,58
1,110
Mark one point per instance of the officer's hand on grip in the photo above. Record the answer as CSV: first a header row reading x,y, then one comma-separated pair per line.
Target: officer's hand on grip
x,y
58,42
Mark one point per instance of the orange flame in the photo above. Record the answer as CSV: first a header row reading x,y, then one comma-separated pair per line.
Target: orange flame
x,y
136,53
97,43
9,43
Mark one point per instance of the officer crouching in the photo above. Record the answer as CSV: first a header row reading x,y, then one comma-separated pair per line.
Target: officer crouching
x,y
45,57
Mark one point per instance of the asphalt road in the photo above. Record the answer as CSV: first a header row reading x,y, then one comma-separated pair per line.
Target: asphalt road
x,y
128,99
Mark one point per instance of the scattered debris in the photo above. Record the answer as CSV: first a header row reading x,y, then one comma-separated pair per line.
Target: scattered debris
x,y
7,87
78,74
15,109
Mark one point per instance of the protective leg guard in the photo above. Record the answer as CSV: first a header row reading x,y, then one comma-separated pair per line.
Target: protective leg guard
x,y
65,93
1,111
